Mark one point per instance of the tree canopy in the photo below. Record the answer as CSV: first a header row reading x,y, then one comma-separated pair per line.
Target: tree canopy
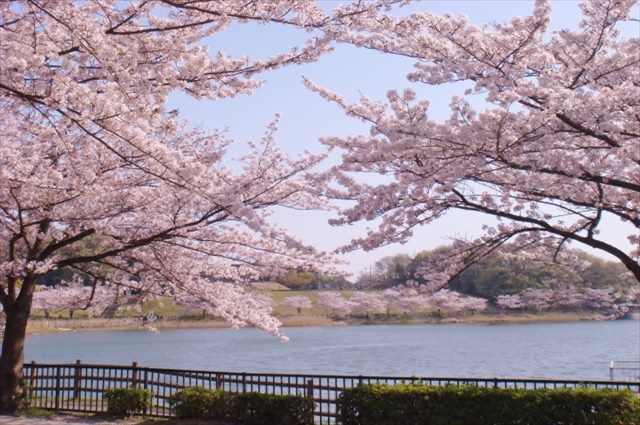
x,y
90,151
100,179
498,275
551,151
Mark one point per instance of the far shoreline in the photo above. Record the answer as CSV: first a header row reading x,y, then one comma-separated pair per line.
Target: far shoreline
x,y
45,326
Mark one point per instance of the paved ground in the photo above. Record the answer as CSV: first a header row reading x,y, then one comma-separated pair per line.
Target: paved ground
x,y
21,420
89,420
56,420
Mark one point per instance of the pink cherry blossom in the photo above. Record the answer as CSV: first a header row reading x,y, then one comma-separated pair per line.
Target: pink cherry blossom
x,y
334,303
367,303
509,302
74,296
298,302
405,300
551,151
92,157
537,299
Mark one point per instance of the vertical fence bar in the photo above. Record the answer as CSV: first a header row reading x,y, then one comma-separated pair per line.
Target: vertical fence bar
x,y
45,381
57,393
611,369
134,374
77,377
88,394
164,389
32,378
32,381
145,378
151,385
309,389
145,384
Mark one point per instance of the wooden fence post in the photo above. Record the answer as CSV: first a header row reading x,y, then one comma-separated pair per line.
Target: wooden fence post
x,y
146,378
77,379
32,378
219,381
145,384
309,389
32,381
134,374
57,395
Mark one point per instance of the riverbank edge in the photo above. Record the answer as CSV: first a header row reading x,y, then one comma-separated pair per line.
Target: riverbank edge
x,y
39,326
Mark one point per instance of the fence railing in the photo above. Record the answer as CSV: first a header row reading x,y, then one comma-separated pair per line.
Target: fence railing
x,y
80,387
624,370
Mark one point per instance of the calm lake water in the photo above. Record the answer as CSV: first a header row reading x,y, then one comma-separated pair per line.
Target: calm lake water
x,y
579,350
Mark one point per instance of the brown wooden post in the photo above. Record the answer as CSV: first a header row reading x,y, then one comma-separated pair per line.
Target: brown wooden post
x,y
134,374
57,395
145,383
219,381
309,389
32,378
77,379
146,378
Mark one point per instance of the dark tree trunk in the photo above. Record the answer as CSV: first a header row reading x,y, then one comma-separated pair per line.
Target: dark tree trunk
x,y
12,359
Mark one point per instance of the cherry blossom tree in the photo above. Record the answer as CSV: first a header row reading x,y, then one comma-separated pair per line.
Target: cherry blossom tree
x,y
537,299
90,152
334,303
454,302
568,299
591,299
405,300
552,150
473,305
633,295
298,302
367,303
73,296
509,302
599,298
445,298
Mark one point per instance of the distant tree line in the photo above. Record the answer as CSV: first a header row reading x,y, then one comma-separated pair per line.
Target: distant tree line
x,y
501,275
306,280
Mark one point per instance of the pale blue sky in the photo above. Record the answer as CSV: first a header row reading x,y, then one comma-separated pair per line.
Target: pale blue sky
x,y
351,72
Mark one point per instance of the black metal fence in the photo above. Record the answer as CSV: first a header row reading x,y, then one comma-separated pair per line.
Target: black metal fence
x,y
80,387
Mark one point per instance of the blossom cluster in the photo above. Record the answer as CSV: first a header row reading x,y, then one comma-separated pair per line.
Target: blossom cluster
x,y
542,133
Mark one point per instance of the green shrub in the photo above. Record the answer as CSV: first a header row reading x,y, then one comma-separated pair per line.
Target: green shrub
x,y
267,409
242,408
123,402
199,402
469,405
